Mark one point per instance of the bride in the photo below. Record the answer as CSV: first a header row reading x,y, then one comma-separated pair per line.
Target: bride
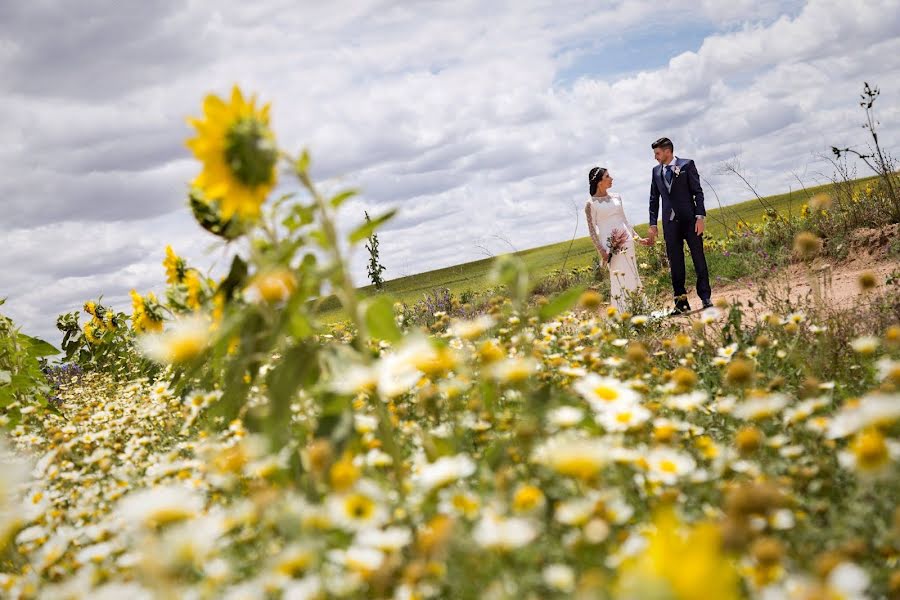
x,y
613,237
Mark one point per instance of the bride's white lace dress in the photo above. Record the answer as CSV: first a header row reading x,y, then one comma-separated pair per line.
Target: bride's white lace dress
x,y
603,216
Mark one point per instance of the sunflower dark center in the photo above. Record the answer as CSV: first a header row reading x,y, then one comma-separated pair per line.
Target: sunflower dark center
x,y
250,152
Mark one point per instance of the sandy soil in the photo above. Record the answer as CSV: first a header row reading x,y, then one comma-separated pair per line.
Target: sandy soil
x,y
837,282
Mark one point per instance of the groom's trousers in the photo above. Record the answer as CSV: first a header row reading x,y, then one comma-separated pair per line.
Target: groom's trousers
x,y
676,233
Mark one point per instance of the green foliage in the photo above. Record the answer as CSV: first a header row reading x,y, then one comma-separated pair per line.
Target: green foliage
x,y
367,229
22,382
380,322
563,302
103,343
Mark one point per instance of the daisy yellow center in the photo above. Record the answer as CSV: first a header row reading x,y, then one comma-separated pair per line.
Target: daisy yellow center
x,y
168,514
294,564
527,498
623,417
606,393
516,372
664,432
344,474
668,466
464,503
583,467
359,507
437,364
870,449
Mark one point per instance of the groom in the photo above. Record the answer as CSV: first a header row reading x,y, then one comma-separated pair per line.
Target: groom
x,y
677,181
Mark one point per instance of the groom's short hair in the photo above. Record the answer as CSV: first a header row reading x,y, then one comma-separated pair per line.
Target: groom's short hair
x,y
663,143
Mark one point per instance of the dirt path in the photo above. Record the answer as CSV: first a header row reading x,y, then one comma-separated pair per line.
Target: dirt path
x,y
837,281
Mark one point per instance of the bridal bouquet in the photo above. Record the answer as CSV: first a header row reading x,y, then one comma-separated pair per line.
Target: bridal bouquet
x,y
617,241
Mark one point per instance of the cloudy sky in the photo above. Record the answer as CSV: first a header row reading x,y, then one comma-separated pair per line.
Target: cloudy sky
x,y
478,120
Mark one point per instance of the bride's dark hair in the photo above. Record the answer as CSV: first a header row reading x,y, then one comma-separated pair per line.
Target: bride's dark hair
x,y
594,177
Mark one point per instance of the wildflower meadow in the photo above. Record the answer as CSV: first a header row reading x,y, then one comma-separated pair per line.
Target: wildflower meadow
x,y
223,440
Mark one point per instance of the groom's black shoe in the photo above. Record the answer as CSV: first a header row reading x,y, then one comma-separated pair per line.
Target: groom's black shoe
x,y
681,306
707,303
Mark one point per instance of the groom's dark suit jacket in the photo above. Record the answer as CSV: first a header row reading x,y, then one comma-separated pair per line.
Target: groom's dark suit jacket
x,y
686,196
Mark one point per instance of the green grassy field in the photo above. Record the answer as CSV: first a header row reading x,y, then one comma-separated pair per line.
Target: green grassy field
x,y
541,260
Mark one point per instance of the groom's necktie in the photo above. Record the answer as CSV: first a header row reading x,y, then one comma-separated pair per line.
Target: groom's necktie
x,y
669,185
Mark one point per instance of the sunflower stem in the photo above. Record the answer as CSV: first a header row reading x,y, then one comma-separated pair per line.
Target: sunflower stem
x,y
346,293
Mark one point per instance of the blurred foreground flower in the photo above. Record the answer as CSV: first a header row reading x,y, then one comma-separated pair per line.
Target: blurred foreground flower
x,y
13,473
272,286
183,341
444,470
158,506
700,571
238,153
807,245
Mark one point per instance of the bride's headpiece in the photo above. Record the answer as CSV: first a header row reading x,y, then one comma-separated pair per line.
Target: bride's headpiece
x,y
594,177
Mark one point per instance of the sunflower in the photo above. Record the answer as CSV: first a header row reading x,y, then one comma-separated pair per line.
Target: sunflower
x,y
194,289
145,316
90,332
238,153
175,267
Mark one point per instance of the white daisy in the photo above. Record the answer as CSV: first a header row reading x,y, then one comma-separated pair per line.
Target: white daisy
x,y
622,416
866,344
444,470
391,539
359,508
599,391
184,340
565,416
160,505
503,533
471,329
687,402
761,407
577,457
559,577
666,465
873,409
